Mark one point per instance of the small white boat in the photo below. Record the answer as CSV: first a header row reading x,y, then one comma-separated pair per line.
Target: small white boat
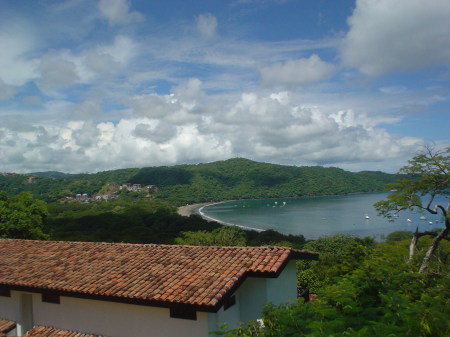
x,y
408,220
367,216
422,218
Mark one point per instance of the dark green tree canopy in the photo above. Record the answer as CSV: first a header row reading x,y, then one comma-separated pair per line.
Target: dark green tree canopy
x,y
222,236
381,295
22,216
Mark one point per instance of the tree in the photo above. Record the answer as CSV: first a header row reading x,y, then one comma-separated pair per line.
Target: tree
x,y
223,236
22,216
428,175
339,255
381,296
399,236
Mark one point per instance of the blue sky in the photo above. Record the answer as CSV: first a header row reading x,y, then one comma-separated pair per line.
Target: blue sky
x,y
88,85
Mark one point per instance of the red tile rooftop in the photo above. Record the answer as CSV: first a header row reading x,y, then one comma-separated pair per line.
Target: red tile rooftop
x,y
41,331
159,275
6,326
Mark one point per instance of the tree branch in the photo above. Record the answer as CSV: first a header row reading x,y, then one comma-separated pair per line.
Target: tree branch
x,y
420,234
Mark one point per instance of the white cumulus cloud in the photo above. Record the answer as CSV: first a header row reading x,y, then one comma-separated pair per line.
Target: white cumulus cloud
x,y
6,91
265,127
16,43
56,73
297,72
207,25
397,36
117,12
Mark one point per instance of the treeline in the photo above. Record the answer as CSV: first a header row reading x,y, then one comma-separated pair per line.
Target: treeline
x,y
142,221
183,184
245,179
52,186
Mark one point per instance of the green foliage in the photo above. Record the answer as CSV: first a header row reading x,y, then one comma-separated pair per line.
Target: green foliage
x,y
429,178
223,180
133,221
223,236
22,216
162,176
339,255
429,174
382,296
273,238
51,189
399,236
244,179
50,174
149,221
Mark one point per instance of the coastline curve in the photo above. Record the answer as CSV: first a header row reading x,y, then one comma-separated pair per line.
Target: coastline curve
x,y
198,209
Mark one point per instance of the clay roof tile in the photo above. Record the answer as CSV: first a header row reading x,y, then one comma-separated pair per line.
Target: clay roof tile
x,y
191,275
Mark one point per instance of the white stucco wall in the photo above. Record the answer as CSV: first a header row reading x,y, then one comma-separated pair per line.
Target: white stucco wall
x,y
105,318
253,295
13,332
118,320
230,317
9,307
283,288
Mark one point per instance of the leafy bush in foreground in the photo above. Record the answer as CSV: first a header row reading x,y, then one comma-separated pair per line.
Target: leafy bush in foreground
x,y
383,296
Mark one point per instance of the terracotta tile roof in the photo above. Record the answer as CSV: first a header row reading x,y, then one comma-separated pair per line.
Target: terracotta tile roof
x,y
159,275
41,331
6,326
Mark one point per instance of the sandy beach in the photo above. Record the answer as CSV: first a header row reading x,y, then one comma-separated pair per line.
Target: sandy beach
x,y
197,209
190,209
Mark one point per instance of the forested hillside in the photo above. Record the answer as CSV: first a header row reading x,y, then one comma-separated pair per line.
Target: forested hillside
x,y
52,186
230,179
245,179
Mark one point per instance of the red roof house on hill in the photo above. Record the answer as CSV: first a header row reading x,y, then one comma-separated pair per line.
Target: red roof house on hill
x,y
140,289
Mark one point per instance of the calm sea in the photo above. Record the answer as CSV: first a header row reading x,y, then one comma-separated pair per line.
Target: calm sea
x,y
317,216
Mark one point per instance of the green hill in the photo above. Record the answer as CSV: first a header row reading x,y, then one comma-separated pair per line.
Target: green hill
x,y
245,179
52,189
50,174
237,178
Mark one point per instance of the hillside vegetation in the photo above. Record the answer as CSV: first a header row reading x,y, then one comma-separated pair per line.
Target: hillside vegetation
x,y
364,289
230,179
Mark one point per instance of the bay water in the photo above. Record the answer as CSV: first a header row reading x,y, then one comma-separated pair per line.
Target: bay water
x,y
318,216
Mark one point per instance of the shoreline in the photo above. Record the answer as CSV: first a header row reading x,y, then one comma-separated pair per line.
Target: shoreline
x,y
197,209
381,228
190,209
206,217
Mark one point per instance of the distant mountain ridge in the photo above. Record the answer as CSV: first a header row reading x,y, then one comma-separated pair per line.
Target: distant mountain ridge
x,y
237,178
50,174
